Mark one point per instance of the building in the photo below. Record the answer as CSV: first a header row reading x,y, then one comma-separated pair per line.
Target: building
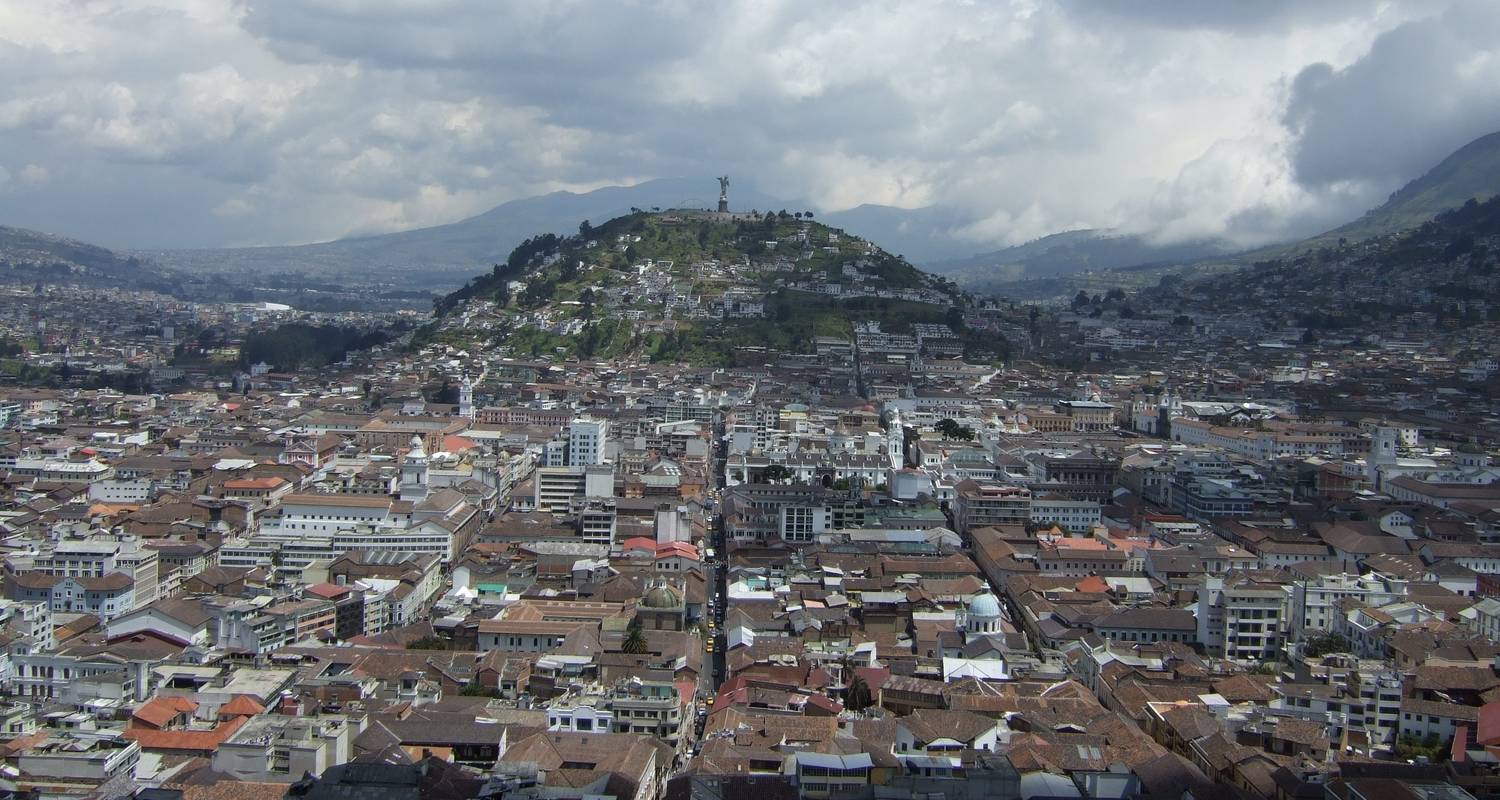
x,y
1241,617
275,748
586,442
980,505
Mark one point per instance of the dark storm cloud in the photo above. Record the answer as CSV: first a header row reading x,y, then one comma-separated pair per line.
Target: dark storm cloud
x,y
1424,89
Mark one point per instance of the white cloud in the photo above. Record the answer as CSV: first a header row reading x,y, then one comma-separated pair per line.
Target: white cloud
x,y
297,120
35,174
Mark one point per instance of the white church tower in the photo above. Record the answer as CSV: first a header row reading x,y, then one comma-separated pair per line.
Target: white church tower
x,y
466,398
895,440
414,472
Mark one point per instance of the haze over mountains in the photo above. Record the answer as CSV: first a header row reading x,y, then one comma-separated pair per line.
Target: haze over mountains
x,y
441,257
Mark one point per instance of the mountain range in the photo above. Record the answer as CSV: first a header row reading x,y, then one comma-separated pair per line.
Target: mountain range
x,y
441,257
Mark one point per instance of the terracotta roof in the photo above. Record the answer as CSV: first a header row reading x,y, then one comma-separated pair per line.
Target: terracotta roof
x,y
254,483
328,591
241,705
235,790
202,741
158,711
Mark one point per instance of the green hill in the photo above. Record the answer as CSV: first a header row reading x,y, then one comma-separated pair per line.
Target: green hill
x,y
1445,268
28,256
695,287
1471,173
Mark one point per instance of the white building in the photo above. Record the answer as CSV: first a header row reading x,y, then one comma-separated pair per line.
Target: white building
x,y
586,441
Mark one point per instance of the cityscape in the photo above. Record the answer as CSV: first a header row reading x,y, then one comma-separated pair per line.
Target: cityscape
x,y
673,489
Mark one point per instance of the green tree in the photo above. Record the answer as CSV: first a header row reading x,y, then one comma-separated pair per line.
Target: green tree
x,y
775,473
635,639
1319,646
427,643
858,698
951,429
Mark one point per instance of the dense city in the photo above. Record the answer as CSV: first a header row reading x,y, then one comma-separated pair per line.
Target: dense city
x,y
749,400
1150,553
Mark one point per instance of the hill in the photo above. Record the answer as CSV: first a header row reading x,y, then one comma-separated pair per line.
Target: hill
x,y
696,287
1067,253
1471,172
1446,269
28,256
444,256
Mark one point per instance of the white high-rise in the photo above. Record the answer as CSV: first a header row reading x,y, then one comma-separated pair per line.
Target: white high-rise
x,y
586,439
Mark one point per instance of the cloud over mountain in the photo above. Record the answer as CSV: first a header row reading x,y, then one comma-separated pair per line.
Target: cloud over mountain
x,y
210,122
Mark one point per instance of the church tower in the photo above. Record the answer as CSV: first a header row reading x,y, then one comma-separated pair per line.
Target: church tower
x,y
466,398
895,440
414,472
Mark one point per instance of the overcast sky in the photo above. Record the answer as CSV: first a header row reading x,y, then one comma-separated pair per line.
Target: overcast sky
x,y
142,123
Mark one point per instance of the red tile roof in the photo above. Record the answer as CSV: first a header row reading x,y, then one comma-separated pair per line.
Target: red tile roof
x,y
158,711
328,591
242,705
191,741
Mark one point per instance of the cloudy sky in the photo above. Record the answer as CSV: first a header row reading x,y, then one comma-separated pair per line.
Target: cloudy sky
x,y
144,123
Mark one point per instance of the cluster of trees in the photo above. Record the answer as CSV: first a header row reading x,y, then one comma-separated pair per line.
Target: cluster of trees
x,y
516,266
951,429
1114,297
1325,644
297,344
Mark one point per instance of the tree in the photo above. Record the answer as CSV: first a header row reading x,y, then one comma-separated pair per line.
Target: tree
x,y
1080,300
950,429
427,643
1319,646
635,639
776,473
585,229
858,697
1115,294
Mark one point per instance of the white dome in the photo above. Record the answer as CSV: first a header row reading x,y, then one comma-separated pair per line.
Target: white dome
x,y
984,605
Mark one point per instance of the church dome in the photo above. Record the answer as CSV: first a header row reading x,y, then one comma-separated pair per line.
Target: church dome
x,y
984,605
662,596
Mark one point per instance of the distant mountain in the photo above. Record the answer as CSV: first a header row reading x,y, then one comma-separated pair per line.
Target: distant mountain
x,y
28,256
445,255
1471,173
924,235
1069,253
1051,267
